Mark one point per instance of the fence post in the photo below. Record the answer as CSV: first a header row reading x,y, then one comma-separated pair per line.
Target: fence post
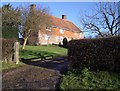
x,y
16,52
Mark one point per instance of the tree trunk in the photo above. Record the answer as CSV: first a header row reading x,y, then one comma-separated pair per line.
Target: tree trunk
x,y
24,44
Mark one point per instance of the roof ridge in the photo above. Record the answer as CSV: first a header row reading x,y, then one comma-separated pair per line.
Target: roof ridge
x,y
62,19
64,23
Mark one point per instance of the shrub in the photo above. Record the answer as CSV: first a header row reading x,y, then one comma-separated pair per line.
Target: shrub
x,y
75,79
7,49
95,54
9,32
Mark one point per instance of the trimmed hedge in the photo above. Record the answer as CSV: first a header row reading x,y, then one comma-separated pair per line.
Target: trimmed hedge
x,y
7,49
9,32
95,54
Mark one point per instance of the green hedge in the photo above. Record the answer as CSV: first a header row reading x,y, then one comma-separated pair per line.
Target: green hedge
x,y
95,54
7,49
9,32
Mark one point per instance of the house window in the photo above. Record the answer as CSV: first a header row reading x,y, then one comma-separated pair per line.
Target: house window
x,y
57,38
47,37
81,35
75,33
61,39
61,31
48,29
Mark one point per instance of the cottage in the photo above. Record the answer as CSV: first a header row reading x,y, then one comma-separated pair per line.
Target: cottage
x,y
59,29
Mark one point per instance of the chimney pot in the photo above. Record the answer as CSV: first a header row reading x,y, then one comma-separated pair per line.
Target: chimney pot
x,y
64,17
33,7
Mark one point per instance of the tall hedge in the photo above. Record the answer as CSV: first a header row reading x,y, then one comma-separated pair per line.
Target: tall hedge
x,y
95,54
9,32
7,49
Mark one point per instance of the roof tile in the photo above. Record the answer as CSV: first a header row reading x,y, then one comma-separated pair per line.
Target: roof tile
x,y
64,24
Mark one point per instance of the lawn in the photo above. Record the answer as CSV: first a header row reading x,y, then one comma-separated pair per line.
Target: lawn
x,y
35,52
46,50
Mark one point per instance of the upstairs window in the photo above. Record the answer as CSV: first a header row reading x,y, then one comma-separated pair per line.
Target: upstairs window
x,y
61,31
57,38
75,33
47,37
48,29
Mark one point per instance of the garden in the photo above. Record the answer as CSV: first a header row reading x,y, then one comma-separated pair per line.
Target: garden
x,y
37,52
85,70
93,64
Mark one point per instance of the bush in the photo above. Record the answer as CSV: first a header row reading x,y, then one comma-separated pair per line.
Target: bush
x,y
9,32
95,54
7,49
75,79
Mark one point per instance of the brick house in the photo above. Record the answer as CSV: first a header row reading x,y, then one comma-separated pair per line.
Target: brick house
x,y
59,29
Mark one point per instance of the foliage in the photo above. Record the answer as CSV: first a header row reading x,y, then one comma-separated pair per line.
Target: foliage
x,y
9,32
75,79
32,21
10,21
96,54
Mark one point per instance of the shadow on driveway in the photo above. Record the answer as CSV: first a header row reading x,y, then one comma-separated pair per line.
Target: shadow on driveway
x,y
59,63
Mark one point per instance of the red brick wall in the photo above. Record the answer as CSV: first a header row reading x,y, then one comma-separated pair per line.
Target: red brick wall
x,y
55,36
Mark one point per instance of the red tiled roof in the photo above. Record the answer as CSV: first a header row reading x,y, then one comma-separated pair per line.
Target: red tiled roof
x,y
64,24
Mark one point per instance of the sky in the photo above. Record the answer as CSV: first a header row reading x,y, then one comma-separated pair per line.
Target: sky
x,y
73,10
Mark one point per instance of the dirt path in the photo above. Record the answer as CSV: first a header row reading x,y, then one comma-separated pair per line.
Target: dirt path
x,y
34,75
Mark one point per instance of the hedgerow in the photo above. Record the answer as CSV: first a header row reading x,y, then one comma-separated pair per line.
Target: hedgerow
x,y
7,49
95,54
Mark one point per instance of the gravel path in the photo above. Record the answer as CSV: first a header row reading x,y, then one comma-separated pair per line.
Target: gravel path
x,y
34,76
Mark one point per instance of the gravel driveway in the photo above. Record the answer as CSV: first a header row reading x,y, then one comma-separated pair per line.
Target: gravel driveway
x,y
34,75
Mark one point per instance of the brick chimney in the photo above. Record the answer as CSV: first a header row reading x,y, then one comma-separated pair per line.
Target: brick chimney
x,y
33,7
64,17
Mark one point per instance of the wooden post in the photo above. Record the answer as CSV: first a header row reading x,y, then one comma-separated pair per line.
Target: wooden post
x,y
16,52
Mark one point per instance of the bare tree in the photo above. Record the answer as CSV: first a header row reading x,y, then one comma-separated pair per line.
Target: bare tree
x,y
32,21
105,22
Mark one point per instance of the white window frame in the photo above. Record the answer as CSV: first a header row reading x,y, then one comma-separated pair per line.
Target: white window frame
x,y
75,33
48,29
47,37
61,31
57,38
